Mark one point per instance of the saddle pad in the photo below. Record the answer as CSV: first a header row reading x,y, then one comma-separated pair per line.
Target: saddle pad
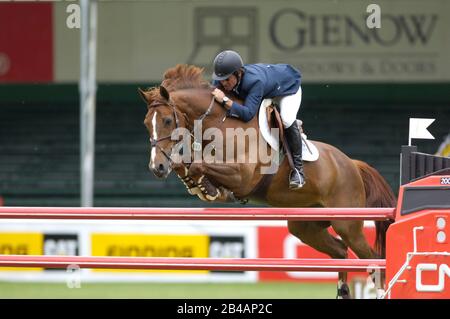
x,y
310,152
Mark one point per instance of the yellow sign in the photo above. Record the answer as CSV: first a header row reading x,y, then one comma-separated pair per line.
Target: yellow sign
x,y
444,148
20,244
150,245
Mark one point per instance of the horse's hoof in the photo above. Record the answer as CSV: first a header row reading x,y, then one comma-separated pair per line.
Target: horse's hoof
x,y
381,293
211,198
207,188
343,292
202,197
190,184
194,191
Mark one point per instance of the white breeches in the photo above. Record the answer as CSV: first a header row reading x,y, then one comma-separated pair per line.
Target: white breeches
x,y
289,106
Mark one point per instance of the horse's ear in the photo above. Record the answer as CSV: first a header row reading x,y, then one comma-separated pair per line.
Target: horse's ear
x,y
143,95
164,93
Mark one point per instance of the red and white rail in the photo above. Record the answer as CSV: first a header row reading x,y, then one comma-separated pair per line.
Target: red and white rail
x,y
303,214
227,264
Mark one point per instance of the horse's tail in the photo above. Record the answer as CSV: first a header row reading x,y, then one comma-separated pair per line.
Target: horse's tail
x,y
378,194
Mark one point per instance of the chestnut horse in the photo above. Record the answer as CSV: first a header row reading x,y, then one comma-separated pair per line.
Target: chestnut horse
x,y
334,180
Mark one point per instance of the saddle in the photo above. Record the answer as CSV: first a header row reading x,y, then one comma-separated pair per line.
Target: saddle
x,y
269,118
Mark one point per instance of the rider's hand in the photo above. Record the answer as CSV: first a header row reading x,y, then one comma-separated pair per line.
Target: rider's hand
x,y
218,95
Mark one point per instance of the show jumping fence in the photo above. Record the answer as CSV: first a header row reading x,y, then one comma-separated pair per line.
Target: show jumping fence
x,y
415,165
243,264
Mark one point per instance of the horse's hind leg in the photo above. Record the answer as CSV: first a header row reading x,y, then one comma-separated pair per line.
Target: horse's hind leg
x,y
316,235
352,234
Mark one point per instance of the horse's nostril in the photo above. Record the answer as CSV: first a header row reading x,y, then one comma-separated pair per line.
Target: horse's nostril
x,y
161,167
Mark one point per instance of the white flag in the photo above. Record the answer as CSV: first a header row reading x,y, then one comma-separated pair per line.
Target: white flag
x,y
418,129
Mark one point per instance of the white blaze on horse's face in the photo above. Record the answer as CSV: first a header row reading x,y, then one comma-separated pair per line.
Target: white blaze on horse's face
x,y
156,127
154,137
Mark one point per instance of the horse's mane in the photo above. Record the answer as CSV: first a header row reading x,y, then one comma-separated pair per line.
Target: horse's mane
x,y
184,76
181,76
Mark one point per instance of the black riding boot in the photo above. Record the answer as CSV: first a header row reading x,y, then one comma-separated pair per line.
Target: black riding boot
x,y
294,140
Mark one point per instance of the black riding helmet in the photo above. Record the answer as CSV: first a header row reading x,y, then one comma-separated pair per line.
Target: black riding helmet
x,y
226,63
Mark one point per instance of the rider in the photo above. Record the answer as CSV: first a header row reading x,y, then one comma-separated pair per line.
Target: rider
x,y
255,82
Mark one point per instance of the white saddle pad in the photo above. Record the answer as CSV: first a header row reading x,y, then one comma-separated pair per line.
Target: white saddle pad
x,y
309,152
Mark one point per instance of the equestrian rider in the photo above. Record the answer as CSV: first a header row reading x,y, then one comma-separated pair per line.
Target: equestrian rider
x,y
255,82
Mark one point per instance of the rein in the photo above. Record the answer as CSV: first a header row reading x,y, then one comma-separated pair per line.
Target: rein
x,y
208,111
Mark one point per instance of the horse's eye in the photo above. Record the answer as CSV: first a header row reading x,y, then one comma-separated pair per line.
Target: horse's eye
x,y
167,121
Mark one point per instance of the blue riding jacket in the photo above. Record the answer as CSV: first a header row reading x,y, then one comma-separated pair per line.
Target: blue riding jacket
x,y
261,81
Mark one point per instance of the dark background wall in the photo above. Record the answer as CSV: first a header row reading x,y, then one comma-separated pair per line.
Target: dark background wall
x,y
39,138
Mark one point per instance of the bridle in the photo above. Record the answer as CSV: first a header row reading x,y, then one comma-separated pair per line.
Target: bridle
x,y
154,142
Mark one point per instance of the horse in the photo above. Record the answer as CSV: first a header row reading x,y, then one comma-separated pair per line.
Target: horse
x,y
334,180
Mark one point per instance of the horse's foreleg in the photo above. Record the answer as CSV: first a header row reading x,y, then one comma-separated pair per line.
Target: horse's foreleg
x,y
227,175
193,178
224,175
182,172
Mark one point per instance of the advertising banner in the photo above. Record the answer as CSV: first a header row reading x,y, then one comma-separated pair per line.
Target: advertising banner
x,y
329,41
128,239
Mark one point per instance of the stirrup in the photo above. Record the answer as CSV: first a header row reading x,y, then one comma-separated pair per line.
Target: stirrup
x,y
301,180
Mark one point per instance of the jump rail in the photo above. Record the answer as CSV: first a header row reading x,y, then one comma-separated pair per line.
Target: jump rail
x,y
227,264
304,214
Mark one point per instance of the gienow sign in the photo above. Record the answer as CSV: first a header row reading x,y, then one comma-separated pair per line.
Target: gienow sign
x,y
325,40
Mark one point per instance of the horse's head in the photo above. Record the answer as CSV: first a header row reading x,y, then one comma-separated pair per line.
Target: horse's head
x,y
189,100
161,119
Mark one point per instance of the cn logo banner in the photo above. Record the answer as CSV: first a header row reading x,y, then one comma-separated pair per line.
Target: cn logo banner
x,y
442,271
